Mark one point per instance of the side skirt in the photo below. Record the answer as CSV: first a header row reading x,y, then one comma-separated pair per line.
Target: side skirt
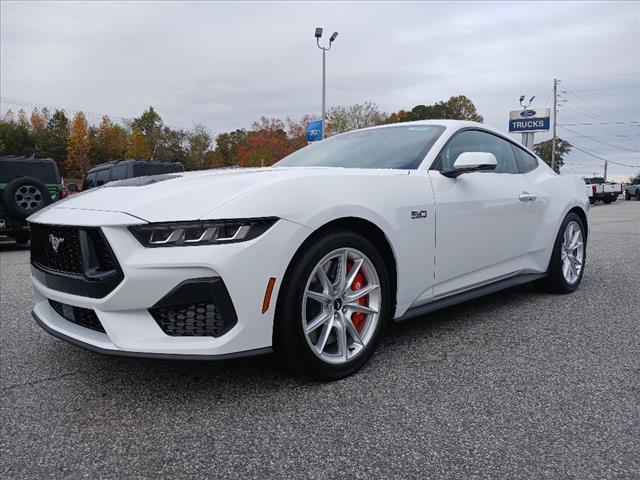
x,y
469,295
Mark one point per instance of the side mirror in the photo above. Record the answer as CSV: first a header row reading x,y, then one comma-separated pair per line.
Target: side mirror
x,y
72,187
468,162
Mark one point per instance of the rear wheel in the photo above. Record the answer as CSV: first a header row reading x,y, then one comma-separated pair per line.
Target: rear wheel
x,y
566,266
638,194
607,199
627,196
592,200
332,307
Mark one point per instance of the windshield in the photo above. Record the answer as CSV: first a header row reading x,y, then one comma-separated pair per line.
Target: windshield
x,y
402,147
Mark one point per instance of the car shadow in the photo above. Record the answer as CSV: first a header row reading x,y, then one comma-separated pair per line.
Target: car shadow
x,y
265,373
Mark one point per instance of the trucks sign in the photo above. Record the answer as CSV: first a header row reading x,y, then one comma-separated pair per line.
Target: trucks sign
x,y
529,120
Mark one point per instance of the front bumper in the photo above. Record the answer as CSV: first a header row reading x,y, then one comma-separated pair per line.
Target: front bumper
x,y
151,273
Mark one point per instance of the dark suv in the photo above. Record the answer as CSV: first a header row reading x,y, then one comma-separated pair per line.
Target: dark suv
x,y
26,186
128,168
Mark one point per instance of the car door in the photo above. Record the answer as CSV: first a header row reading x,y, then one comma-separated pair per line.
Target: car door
x,y
485,221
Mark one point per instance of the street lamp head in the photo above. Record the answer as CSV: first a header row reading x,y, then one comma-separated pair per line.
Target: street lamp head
x,y
521,98
531,99
333,37
318,32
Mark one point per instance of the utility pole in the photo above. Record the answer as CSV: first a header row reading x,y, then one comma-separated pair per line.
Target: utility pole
x,y
555,122
318,35
606,163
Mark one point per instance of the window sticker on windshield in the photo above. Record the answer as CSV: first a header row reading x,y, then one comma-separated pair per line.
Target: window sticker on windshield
x,y
419,129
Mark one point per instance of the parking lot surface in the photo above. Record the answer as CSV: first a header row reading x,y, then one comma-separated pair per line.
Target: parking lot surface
x,y
516,385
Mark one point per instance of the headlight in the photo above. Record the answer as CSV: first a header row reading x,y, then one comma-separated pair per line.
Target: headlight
x,y
205,232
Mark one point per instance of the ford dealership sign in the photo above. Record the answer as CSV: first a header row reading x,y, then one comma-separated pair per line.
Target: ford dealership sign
x,y
530,120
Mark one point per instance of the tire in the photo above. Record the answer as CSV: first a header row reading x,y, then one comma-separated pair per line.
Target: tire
x,y
298,349
592,200
24,196
614,198
638,194
627,196
607,199
22,238
556,280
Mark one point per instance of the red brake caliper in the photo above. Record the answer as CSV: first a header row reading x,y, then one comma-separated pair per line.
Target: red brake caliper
x,y
358,283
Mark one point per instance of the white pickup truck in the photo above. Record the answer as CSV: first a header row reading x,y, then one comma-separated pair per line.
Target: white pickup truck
x,y
598,189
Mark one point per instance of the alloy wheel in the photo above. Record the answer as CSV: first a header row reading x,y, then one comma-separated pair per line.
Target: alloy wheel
x,y
572,253
28,197
341,305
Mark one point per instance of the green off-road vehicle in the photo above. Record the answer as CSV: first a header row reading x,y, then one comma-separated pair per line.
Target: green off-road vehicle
x,y
26,186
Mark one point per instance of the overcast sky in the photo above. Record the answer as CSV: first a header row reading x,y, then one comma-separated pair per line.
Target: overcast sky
x,y
224,65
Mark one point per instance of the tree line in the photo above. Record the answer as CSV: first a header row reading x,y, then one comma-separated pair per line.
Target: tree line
x,y
77,145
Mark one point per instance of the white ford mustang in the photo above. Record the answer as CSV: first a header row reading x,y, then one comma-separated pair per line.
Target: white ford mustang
x,y
311,257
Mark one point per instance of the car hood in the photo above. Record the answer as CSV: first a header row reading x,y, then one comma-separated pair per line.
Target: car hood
x,y
192,195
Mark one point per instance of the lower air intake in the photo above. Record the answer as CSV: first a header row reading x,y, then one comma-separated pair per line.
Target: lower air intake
x,y
191,320
83,317
196,308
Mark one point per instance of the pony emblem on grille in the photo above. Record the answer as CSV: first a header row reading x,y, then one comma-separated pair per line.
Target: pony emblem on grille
x,y
55,242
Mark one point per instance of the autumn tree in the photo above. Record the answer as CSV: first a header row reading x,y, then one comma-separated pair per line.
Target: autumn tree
x,y
199,152
171,145
55,145
543,149
38,126
265,144
342,119
22,119
456,108
109,141
137,146
79,147
226,151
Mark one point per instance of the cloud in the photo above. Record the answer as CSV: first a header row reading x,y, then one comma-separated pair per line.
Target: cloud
x,y
225,64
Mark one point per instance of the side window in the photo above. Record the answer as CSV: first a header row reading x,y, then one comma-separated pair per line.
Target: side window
x,y
477,141
119,172
526,161
102,177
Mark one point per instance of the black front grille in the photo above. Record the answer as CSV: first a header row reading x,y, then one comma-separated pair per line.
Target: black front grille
x,y
56,248
190,320
75,260
84,317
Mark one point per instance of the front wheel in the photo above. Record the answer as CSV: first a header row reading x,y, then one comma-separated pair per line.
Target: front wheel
x,y
566,266
638,194
332,307
627,196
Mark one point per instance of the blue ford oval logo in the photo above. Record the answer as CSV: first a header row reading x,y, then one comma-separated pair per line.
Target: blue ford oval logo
x,y
527,113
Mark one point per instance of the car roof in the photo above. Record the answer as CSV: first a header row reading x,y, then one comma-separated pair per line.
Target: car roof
x,y
22,159
127,161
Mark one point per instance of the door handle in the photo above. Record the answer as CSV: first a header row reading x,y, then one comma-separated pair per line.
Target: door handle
x,y
527,197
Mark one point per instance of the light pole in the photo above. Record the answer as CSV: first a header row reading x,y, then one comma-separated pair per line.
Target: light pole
x,y
324,54
527,138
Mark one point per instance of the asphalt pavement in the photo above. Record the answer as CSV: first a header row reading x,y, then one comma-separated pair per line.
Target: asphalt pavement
x,y
519,384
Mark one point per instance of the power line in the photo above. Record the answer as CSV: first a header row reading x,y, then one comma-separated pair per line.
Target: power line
x,y
606,88
594,106
600,123
600,141
605,76
601,158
